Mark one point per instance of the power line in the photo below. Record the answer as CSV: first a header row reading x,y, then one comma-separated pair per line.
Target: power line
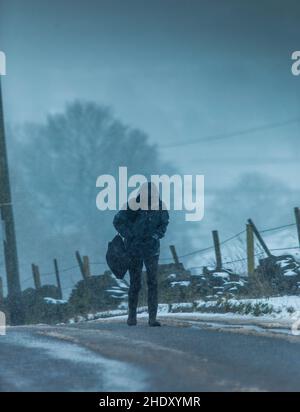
x,y
196,251
229,135
277,228
233,237
286,248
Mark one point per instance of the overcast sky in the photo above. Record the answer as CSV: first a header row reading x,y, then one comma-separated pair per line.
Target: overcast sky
x,y
179,70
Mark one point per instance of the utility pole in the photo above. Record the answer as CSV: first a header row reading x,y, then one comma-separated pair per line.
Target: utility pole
x,y
9,236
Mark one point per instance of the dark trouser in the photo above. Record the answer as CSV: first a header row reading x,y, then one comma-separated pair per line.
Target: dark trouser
x,y
135,272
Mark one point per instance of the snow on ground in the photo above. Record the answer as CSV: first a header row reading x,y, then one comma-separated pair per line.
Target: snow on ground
x,y
110,375
181,283
281,307
121,283
284,306
177,307
290,273
55,301
224,275
275,315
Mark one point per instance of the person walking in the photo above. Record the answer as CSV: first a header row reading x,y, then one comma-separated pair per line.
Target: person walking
x,y
142,223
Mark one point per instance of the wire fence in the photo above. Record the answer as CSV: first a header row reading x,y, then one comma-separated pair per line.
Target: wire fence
x,y
237,235
225,242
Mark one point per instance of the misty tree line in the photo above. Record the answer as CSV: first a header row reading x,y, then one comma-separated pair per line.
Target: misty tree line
x,y
54,167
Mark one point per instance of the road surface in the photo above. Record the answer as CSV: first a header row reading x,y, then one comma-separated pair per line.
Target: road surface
x,y
108,355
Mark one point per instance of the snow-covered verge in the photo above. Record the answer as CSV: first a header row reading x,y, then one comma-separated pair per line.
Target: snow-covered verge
x,y
275,307
283,307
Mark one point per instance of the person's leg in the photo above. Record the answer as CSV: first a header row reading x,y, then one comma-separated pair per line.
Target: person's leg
x,y
151,264
135,273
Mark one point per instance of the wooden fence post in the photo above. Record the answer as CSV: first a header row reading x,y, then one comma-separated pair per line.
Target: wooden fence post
x,y
36,276
217,250
58,279
1,290
250,250
174,255
297,216
80,263
86,266
260,239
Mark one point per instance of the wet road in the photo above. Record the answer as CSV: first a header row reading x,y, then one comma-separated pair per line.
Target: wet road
x,y
107,355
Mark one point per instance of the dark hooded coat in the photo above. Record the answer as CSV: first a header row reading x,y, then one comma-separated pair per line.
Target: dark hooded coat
x,y
142,229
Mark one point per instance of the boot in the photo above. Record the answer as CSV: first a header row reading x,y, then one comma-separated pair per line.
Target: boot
x,y
131,320
152,265
132,307
154,322
152,309
152,306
